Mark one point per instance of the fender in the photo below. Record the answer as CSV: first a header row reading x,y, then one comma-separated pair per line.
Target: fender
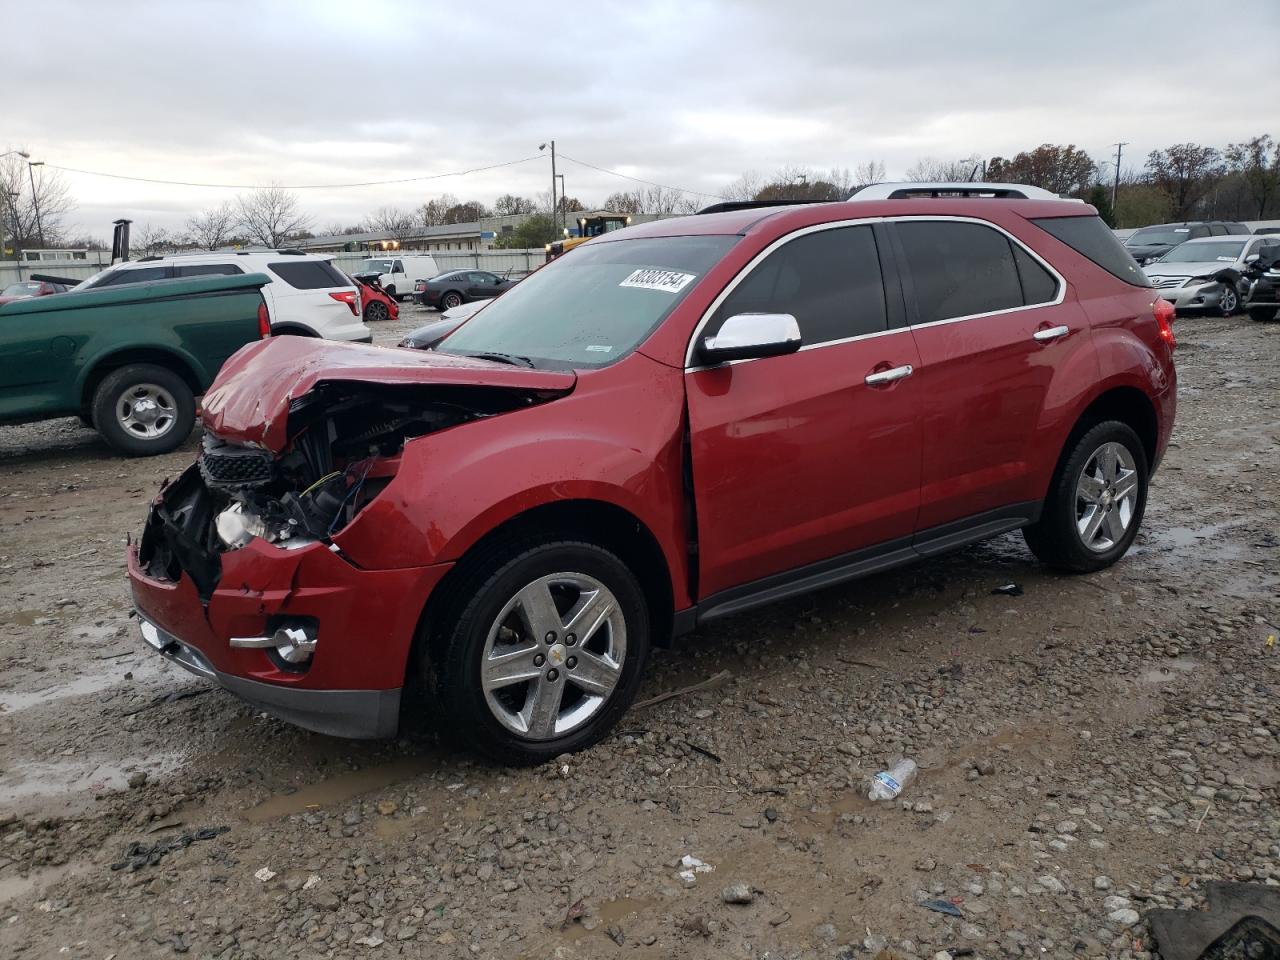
x,y
454,487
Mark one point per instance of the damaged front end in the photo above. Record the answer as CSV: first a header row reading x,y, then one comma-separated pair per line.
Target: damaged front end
x,y
342,448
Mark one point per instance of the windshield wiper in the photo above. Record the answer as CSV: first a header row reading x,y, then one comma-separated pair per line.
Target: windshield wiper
x,y
511,358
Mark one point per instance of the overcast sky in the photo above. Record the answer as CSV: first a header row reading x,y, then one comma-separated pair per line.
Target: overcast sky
x,y
689,94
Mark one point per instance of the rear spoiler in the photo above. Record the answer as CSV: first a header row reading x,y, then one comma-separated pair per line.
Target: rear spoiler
x,y
46,278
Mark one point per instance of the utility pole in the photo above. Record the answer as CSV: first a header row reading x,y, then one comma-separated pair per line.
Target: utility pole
x,y
1115,185
35,199
553,183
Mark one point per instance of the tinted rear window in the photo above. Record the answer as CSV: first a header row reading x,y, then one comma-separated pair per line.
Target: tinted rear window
x,y
209,270
309,274
1091,238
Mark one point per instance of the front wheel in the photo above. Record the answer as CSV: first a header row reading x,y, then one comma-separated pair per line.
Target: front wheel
x,y
1095,502
376,312
1229,301
142,409
1263,314
546,652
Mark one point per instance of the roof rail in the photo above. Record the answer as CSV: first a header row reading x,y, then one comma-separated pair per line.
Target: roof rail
x,y
990,191
729,205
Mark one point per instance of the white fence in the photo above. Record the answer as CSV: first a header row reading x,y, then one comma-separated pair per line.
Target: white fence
x,y
517,262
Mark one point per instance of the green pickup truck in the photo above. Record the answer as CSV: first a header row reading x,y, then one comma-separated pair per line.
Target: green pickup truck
x,y
129,360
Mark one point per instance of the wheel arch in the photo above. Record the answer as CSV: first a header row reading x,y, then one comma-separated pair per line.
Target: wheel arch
x,y
292,329
1127,404
185,367
592,521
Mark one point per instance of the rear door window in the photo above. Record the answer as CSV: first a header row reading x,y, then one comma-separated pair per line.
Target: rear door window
x,y
830,281
959,269
209,270
309,274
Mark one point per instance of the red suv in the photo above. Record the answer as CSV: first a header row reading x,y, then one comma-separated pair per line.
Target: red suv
x,y
675,422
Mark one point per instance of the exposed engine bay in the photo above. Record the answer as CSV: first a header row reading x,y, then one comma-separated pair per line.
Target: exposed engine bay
x,y
345,444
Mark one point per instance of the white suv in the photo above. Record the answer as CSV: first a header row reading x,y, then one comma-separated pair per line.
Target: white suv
x,y
307,296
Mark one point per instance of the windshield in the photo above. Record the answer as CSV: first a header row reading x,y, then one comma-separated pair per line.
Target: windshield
x,y
375,266
1167,235
1225,250
592,306
24,289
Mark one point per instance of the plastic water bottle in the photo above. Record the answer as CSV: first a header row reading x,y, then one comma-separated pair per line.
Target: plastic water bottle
x,y
887,784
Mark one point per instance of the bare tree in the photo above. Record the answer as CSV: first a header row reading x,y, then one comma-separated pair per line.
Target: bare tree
x,y
935,170
1257,163
212,229
270,216
509,205
153,241
745,187
18,204
432,213
397,224
624,202
1185,172
865,174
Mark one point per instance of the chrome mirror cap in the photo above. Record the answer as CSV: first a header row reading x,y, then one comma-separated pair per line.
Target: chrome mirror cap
x,y
746,336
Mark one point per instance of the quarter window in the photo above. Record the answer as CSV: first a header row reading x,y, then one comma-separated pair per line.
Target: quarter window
x,y
959,269
1038,284
830,281
309,274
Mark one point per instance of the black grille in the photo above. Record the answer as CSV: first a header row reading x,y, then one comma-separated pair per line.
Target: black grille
x,y
223,465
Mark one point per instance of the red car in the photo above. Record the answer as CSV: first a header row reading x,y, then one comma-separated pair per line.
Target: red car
x,y
683,420
24,289
376,303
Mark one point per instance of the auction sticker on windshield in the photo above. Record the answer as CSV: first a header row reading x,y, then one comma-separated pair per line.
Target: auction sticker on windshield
x,y
652,278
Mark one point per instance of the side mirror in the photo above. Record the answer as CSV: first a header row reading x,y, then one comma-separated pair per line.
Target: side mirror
x,y
748,336
1252,258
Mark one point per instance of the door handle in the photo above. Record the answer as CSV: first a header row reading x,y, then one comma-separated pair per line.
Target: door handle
x,y
881,377
1051,333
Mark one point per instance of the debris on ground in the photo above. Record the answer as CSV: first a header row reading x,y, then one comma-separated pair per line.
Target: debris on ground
x,y
1008,590
942,906
138,855
690,867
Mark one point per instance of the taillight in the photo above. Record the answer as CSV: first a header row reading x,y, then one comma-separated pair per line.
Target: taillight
x,y
349,298
264,321
1165,315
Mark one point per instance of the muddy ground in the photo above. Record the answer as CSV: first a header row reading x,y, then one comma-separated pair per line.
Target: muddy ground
x,y
1092,748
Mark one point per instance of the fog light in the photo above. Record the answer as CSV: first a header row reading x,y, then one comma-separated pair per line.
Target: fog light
x,y
296,644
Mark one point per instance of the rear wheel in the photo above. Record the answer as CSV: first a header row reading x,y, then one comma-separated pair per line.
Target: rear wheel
x,y
450,300
1095,501
544,654
142,409
376,311
1262,314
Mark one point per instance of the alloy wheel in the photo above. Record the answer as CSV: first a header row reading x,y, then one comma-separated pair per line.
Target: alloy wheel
x,y
553,656
1229,301
1106,497
146,411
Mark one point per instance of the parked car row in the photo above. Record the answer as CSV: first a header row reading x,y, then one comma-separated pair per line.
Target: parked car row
x,y
25,289
1151,243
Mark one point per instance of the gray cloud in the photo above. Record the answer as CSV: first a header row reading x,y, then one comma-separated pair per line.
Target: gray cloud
x,y
690,93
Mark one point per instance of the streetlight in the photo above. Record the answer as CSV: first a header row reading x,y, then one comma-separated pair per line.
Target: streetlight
x,y
22,153
35,200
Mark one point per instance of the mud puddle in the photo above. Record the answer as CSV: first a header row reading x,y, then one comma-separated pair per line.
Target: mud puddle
x,y
73,782
14,887
1168,671
342,787
146,671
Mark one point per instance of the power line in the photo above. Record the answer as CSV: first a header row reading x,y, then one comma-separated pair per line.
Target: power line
x,y
301,186
651,183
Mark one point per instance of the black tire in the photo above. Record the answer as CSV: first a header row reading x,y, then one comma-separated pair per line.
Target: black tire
x,y
390,291
1056,539
451,299
293,332
179,411
1229,300
1263,314
376,311
483,587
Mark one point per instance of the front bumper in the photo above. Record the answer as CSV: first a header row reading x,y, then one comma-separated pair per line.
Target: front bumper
x,y
358,714
1203,296
365,622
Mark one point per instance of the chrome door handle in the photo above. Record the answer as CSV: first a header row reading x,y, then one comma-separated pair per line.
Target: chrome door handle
x,y
888,376
1052,333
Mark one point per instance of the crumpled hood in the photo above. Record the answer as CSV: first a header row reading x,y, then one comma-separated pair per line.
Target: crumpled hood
x,y
249,399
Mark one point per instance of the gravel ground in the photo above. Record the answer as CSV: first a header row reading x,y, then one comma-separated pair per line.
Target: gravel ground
x,y
1090,749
